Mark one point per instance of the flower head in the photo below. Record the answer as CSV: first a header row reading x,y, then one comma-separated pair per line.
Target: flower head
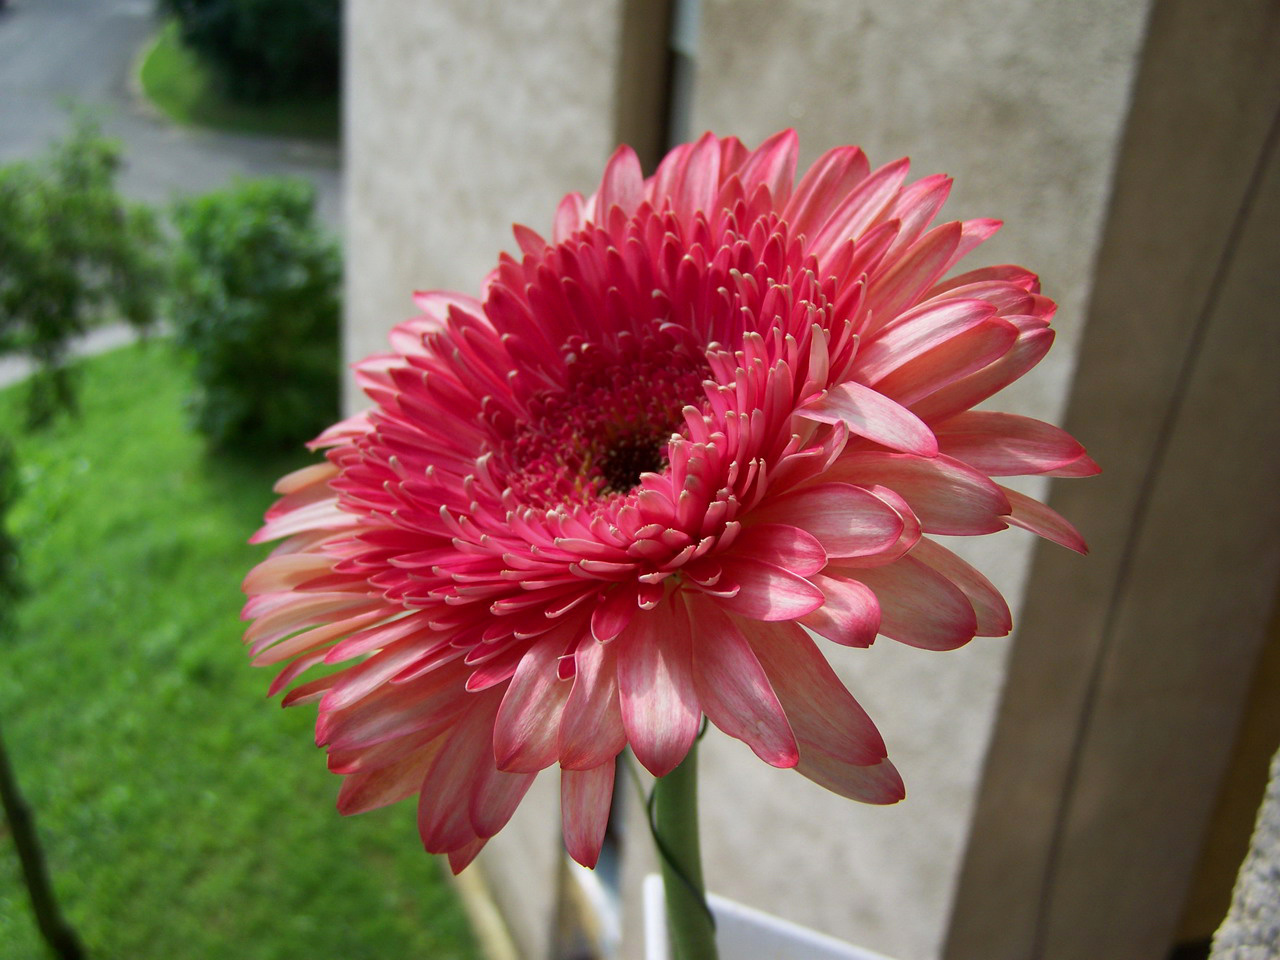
x,y
715,412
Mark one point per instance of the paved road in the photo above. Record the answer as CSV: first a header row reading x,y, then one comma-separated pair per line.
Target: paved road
x,y
53,52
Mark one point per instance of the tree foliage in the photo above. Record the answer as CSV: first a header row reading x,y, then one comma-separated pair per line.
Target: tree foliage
x,y
265,49
256,302
72,253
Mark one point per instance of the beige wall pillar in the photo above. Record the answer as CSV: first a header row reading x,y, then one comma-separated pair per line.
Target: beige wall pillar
x,y
1131,670
459,119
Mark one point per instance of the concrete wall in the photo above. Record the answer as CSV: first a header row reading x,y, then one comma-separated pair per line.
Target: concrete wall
x,y
461,118
1120,140
1126,686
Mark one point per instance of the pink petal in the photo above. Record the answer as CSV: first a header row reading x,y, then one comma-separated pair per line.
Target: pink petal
x,y
821,711
915,208
309,692
1005,444
524,738
767,592
1042,520
569,217
696,179
361,792
379,635
304,610
948,496
870,414
949,361
494,798
786,546
655,681
878,783
994,618
823,186
585,800
531,242
364,760
667,178
851,615
915,272
1033,342
847,520
734,690
444,822
973,233
395,711
906,540
919,606
1082,466
772,164
285,572
316,473
1001,273
268,652
461,858
860,208
357,682
437,305
622,185
290,673
613,612
591,729
917,332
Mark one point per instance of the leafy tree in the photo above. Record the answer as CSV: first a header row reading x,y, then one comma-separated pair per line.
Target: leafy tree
x,y
72,252
256,303
265,49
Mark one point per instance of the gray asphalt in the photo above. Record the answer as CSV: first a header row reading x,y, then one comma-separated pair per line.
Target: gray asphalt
x,y
57,52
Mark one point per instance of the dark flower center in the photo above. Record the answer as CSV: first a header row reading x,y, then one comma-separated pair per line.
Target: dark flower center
x,y
607,427
627,457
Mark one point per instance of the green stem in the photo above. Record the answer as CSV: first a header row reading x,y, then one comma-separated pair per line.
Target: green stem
x,y
690,925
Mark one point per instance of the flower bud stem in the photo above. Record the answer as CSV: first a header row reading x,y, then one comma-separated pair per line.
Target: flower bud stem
x,y
674,818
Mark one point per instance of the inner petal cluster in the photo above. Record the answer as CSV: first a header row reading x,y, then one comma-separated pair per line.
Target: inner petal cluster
x,y
608,425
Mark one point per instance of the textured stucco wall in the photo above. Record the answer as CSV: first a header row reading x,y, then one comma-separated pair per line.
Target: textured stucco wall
x,y
1023,104
461,118
1126,686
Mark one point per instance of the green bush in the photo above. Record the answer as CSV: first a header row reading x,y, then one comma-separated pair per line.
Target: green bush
x,y
255,303
72,254
265,49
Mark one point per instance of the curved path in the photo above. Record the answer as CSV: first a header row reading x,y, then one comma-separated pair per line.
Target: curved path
x,y
53,52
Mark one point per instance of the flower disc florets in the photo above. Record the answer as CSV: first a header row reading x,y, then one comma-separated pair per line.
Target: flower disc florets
x,y
715,412
607,425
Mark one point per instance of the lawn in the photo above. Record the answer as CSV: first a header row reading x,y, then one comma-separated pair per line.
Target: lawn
x,y
180,86
183,814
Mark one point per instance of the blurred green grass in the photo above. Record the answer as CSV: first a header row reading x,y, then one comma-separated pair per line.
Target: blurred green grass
x,y
183,814
183,88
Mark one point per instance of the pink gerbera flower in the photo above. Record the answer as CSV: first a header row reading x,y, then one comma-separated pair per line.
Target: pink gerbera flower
x,y
714,413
